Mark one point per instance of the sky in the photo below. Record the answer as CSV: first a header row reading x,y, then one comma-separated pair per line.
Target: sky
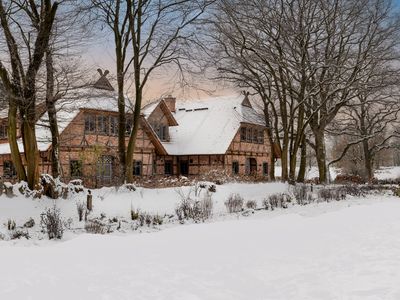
x,y
162,82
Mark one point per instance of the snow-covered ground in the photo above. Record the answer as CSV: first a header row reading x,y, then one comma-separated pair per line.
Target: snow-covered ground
x,y
337,250
386,173
115,203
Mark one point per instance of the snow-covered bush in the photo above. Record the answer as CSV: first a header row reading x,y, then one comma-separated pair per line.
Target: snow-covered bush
x,y
279,200
356,190
334,193
11,224
8,189
95,226
234,203
30,223
157,220
198,209
51,223
81,208
17,234
135,213
251,204
301,193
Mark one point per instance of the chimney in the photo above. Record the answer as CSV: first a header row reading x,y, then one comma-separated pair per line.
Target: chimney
x,y
170,102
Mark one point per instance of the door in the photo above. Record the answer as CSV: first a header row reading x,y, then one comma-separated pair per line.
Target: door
x,y
184,168
251,166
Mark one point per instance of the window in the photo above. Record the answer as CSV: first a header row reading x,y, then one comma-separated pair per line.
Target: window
x,y
243,134
235,168
137,168
9,169
90,124
255,136
3,131
251,166
252,135
75,168
168,167
102,125
129,126
265,169
261,137
162,132
113,125
105,167
249,135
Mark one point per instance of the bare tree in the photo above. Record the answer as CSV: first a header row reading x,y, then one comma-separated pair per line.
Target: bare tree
x,y
309,57
161,32
20,81
114,15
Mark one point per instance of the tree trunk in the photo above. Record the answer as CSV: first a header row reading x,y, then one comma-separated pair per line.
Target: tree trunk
x,y
284,160
303,161
368,165
12,139
31,153
121,125
52,114
292,165
321,155
132,139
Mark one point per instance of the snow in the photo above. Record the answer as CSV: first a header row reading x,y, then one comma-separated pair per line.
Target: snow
x,y
207,126
388,173
119,203
338,250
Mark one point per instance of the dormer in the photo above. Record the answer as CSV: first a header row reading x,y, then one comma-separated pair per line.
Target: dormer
x,y
161,117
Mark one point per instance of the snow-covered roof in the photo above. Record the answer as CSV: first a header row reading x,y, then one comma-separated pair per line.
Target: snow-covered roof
x,y
208,126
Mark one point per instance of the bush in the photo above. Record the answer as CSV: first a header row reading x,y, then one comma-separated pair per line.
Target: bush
x,y
81,208
135,214
265,203
157,220
251,204
96,227
279,200
302,193
30,223
206,206
19,234
348,178
329,194
11,224
197,210
51,223
234,203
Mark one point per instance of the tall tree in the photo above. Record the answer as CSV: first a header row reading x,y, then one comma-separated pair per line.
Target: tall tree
x,y
161,33
114,15
20,81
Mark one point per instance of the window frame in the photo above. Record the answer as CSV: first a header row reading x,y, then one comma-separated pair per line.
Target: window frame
x,y
169,163
235,167
137,165
3,131
113,126
77,172
103,125
265,167
90,124
9,170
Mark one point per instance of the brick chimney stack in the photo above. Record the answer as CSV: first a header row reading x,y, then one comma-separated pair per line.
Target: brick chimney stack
x,y
170,102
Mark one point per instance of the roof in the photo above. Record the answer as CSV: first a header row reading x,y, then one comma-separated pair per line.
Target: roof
x,y
208,126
